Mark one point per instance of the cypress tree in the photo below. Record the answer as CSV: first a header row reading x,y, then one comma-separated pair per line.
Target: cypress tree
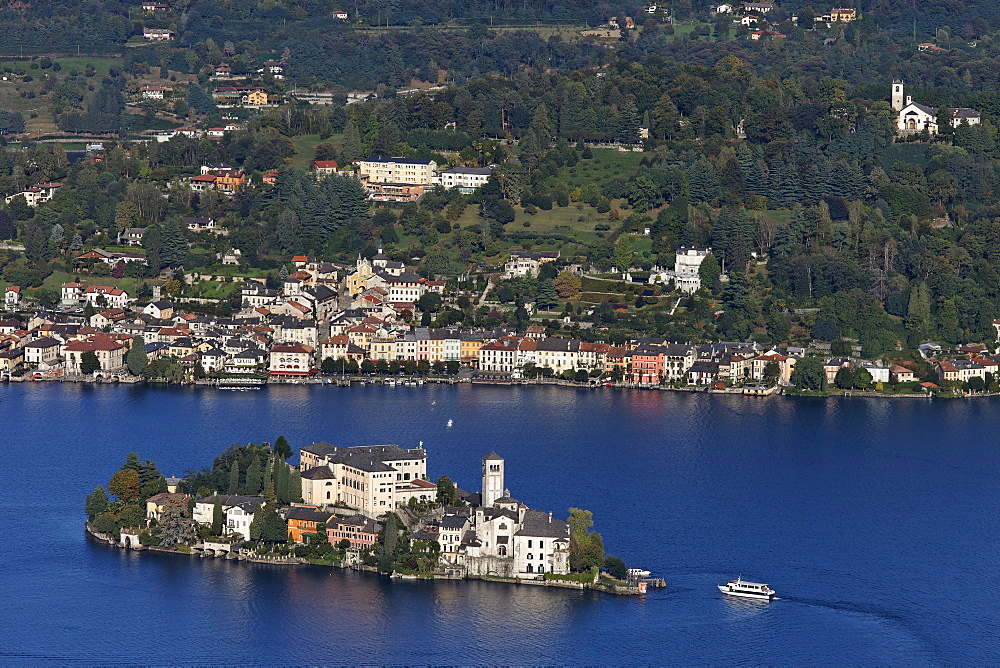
x,y
136,359
254,478
282,449
295,487
234,479
217,517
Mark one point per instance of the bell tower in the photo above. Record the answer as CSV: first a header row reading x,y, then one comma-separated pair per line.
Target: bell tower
x,y
897,95
492,479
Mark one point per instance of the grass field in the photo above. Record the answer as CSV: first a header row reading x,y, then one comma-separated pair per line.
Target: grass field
x,y
305,148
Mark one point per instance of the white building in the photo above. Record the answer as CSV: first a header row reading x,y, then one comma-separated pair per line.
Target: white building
x,y
913,117
362,477
527,263
238,512
687,263
466,179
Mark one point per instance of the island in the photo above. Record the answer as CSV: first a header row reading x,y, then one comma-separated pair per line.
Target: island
x,y
366,507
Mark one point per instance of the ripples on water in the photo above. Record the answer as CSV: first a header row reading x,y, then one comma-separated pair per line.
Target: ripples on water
x,y
874,520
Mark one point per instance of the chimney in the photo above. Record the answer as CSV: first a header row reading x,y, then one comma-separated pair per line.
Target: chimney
x,y
909,99
550,517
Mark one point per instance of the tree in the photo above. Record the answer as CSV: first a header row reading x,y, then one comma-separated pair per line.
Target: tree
x,y
253,482
624,254
709,272
845,378
89,363
616,567
447,494
176,526
97,502
771,372
125,485
267,526
586,548
568,284
218,518
809,374
281,448
545,296
136,358
234,480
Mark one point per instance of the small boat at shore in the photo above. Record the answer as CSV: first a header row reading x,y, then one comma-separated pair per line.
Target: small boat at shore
x,y
743,589
638,573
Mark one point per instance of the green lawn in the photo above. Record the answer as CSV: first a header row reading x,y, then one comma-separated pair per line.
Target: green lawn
x,y
305,148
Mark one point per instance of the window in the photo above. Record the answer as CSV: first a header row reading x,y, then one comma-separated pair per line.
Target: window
x,y
541,544
529,556
528,568
529,542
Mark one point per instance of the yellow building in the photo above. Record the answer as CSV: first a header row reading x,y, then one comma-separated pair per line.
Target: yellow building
x,y
358,281
255,97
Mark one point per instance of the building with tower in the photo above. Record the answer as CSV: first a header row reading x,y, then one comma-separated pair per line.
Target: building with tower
x,y
913,117
493,488
504,537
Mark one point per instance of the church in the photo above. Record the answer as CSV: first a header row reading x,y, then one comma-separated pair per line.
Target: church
x,y
502,536
913,117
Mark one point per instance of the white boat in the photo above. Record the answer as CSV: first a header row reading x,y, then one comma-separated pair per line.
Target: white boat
x,y
450,423
743,589
636,573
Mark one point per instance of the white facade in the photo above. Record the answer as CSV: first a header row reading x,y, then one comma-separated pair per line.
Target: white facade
x,y
493,488
397,170
466,179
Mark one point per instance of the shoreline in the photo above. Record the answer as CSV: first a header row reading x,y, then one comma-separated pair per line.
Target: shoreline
x,y
109,541
415,381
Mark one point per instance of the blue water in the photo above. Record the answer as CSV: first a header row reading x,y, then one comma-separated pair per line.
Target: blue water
x,y
876,522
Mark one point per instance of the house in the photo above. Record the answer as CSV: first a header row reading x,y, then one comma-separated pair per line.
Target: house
x,y
153,92
527,263
199,224
152,7
10,359
761,34
229,181
843,14
832,366
202,182
71,293
879,374
256,97
35,195
41,351
465,179
161,310
913,118
900,374
290,360
12,295
303,522
786,364
131,236
959,371
321,168
237,510
758,6
340,15
158,34
103,295
361,531
380,169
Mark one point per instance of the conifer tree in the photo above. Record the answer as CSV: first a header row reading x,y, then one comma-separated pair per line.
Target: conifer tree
x,y
136,359
234,479
254,479
217,517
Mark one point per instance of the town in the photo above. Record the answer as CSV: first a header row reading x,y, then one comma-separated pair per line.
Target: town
x,y
367,507
328,323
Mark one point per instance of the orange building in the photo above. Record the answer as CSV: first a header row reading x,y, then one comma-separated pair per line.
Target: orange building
x,y
303,522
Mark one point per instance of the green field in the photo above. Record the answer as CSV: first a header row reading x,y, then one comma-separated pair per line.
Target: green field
x,y
305,148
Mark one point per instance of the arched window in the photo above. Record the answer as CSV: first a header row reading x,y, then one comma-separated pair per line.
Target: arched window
x,y
529,568
541,568
502,550
406,476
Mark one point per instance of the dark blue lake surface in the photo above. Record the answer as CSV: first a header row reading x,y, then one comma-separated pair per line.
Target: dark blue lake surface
x,y
875,520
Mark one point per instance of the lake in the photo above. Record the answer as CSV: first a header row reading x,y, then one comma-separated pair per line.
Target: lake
x,y
874,519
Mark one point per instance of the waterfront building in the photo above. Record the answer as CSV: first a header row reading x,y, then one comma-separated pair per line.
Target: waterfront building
x,y
506,538
238,512
362,477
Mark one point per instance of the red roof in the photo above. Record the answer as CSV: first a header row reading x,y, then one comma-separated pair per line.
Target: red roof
x,y
325,164
300,258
